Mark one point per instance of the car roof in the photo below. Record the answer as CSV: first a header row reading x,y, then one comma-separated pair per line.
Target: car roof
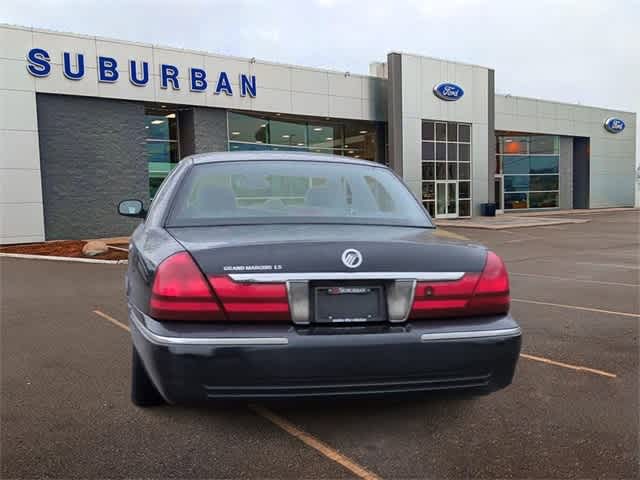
x,y
214,157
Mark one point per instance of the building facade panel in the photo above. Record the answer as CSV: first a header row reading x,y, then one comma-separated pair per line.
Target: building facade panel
x,y
90,145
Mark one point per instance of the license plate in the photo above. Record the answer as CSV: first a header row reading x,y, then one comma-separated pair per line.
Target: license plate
x,y
349,304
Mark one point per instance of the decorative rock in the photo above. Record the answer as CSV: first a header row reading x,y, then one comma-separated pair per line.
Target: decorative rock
x,y
93,248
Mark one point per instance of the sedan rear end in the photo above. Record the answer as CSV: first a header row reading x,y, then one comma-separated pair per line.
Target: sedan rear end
x,y
300,276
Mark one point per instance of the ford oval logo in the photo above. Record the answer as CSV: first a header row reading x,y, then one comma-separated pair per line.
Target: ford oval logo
x,y
448,91
351,258
614,125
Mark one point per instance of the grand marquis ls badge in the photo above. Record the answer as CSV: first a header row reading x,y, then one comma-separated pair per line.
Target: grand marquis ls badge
x,y
351,258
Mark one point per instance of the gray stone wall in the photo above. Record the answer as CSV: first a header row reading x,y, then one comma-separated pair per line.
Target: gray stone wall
x,y
210,130
565,169
92,156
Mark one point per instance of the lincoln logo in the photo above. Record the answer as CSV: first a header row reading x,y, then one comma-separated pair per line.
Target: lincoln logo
x,y
448,91
351,258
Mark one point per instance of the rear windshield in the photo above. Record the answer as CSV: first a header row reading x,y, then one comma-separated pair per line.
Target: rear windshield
x,y
264,192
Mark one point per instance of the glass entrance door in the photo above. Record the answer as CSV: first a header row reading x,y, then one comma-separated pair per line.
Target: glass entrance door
x,y
447,199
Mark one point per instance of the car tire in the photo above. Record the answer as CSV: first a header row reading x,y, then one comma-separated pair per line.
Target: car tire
x,y
143,392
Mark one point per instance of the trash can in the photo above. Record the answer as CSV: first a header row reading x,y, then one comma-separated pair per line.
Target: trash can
x,y
488,209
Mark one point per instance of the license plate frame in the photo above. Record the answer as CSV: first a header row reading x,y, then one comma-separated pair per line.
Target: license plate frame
x,y
349,304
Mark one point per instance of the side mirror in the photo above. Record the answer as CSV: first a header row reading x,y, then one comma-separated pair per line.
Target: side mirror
x,y
132,208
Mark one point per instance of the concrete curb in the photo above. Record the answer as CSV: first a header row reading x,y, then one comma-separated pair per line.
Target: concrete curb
x,y
63,259
582,211
482,226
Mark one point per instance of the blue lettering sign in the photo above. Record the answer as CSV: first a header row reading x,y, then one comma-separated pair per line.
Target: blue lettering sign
x,y
39,65
133,73
169,73
67,67
198,79
247,85
448,91
74,68
107,70
223,84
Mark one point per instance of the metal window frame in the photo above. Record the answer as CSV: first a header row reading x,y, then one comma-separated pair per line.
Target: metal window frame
x,y
435,180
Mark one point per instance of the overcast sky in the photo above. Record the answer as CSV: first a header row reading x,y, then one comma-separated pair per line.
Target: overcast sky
x,y
584,51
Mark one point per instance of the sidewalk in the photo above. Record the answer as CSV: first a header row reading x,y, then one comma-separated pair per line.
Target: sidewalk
x,y
502,222
577,211
529,219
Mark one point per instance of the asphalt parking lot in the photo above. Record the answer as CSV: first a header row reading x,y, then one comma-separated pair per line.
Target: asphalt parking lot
x,y
572,411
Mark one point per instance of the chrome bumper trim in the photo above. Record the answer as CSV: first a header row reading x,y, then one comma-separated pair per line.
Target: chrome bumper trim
x,y
469,335
285,277
218,341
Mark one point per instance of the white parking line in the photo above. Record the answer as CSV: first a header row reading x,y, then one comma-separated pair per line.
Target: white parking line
x,y
575,307
578,280
315,443
112,320
610,265
577,368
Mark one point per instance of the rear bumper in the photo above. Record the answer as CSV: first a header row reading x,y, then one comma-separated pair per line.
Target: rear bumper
x,y
195,362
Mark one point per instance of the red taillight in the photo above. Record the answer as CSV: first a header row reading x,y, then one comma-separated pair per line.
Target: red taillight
x,y
180,292
443,299
252,301
474,294
492,292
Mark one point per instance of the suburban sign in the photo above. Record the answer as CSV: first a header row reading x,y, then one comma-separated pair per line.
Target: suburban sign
x,y
614,125
448,91
108,71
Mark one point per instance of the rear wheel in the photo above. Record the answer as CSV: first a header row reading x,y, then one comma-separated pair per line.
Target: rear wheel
x,y
143,392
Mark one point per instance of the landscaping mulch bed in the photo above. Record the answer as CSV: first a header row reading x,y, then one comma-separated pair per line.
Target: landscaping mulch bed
x,y
64,248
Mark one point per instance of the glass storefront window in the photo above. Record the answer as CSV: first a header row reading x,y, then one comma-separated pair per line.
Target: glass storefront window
x,y
428,151
431,207
428,131
160,125
464,133
452,132
324,136
539,183
543,199
243,128
513,145
428,191
446,168
530,166
516,183
464,190
452,171
161,146
465,208
452,152
544,144
515,164
428,170
515,201
287,133
543,164
276,132
464,171
464,152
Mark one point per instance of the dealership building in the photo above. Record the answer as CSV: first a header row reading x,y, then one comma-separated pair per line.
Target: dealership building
x,y
88,121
